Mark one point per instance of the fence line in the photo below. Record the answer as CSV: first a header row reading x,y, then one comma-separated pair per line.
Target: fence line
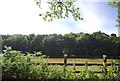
x,y
79,61
104,62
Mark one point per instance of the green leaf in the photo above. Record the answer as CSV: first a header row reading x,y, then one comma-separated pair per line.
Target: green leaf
x,y
40,14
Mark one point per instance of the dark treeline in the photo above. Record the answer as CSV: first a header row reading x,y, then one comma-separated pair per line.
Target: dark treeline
x,y
74,44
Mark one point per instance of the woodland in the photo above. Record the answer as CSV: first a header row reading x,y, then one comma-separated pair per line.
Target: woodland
x,y
74,44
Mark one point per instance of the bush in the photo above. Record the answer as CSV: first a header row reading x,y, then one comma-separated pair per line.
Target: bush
x,y
17,66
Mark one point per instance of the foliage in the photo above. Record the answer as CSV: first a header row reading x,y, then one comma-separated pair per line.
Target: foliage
x,y
23,67
16,64
60,9
78,44
116,4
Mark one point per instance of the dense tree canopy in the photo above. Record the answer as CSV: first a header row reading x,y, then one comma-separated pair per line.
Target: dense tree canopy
x,y
77,44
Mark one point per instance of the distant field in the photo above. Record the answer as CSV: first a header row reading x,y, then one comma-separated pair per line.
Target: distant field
x,y
74,60
71,61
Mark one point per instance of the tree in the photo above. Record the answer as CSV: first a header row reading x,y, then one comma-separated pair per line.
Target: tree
x,y
18,42
70,43
60,9
85,44
36,43
53,45
79,44
116,4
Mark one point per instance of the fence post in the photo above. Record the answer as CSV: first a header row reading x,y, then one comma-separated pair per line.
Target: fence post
x,y
65,59
86,65
65,62
104,64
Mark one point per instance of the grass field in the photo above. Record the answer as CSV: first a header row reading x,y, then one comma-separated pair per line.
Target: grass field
x,y
76,60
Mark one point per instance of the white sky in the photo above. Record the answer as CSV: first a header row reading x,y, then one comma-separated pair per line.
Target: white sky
x,y
91,20
22,17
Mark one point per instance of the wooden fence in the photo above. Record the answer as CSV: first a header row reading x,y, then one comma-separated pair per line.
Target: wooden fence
x,y
104,62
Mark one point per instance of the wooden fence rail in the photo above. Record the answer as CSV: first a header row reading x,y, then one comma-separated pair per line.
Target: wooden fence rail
x,y
104,62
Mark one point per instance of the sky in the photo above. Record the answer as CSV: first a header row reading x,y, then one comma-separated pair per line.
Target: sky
x,y
22,17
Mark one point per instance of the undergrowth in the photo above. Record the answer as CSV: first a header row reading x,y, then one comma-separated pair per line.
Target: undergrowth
x,y
15,65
